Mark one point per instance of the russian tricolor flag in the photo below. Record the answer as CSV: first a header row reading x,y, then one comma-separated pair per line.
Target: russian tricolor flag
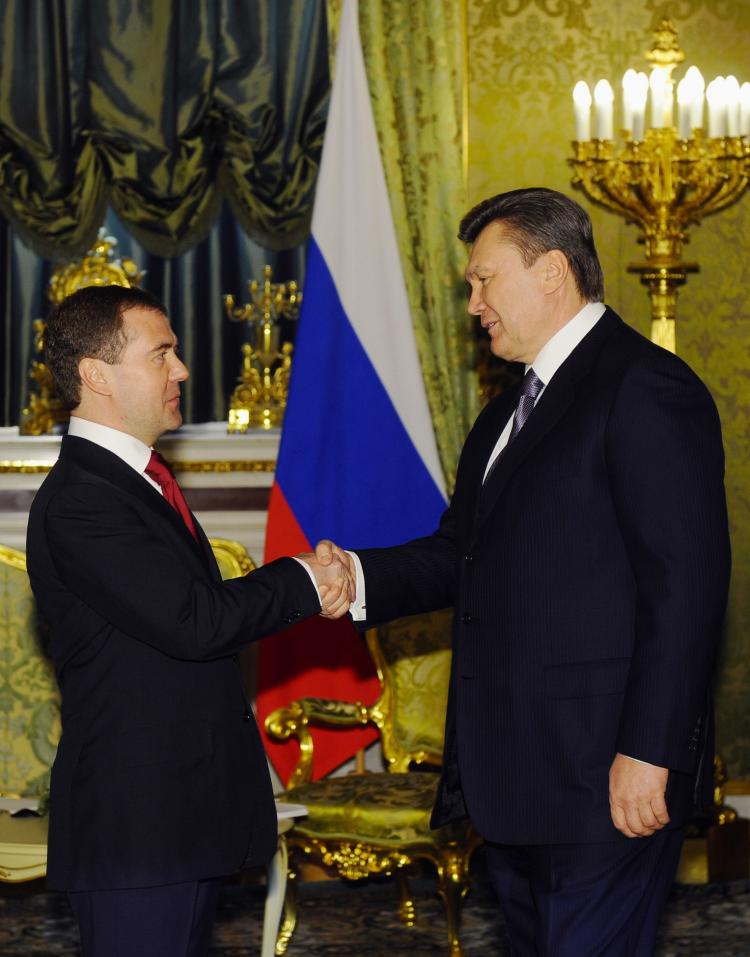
x,y
358,461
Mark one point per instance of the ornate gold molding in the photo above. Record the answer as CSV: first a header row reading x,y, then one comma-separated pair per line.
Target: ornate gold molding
x,y
259,466
226,465
19,467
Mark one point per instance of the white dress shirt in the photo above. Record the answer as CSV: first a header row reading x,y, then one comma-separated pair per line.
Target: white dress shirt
x,y
125,446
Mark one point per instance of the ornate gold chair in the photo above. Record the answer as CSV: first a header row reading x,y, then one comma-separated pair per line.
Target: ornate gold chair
x,y
378,823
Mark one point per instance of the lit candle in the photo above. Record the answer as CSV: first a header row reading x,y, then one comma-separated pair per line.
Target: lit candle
x,y
745,109
698,85
658,84
603,100
717,112
684,106
629,83
582,106
732,99
639,96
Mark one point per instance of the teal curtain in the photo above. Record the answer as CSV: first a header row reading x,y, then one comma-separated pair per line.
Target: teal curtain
x,y
160,108
193,127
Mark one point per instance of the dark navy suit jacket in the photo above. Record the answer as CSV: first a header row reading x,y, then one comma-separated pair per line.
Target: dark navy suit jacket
x,y
160,775
589,578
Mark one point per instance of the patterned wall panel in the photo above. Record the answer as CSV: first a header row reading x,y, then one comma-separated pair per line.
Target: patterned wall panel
x,y
524,58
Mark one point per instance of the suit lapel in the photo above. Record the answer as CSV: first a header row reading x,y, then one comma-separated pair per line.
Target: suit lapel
x,y
111,468
551,407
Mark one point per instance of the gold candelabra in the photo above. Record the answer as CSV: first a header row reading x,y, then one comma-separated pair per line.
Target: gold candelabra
x,y
259,400
666,177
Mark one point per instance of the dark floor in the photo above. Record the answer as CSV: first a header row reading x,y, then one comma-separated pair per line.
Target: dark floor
x,y
345,920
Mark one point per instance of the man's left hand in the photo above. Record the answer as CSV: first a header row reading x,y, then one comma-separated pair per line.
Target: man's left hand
x,y
637,796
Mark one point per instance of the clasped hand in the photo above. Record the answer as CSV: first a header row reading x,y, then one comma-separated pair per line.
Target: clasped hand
x,y
335,577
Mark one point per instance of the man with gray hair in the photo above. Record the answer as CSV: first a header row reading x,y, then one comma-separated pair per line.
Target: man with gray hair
x,y
586,553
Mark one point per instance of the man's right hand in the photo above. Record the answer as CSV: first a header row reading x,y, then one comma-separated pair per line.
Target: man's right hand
x,y
336,581
327,553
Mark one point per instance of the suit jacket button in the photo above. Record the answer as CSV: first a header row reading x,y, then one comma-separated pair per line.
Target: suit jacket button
x,y
247,717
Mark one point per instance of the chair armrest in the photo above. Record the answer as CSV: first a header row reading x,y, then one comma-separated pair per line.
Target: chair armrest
x,y
293,720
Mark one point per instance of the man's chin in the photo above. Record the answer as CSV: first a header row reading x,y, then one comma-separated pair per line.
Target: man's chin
x,y
175,421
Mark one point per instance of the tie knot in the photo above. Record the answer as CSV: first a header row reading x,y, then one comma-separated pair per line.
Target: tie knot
x,y
158,470
531,384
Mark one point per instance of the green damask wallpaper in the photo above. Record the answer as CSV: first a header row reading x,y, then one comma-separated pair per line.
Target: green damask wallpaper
x,y
524,58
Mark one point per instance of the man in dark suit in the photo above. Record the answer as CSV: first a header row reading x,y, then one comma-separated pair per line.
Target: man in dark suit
x,y
160,785
586,553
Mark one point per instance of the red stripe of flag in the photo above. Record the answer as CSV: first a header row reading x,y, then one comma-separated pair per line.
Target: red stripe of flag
x,y
321,659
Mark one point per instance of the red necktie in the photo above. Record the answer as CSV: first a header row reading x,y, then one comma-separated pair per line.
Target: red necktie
x,y
160,472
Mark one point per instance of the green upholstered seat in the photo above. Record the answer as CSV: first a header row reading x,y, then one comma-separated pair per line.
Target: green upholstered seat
x,y
378,823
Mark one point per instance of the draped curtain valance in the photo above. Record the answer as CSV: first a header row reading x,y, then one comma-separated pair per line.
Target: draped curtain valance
x,y
160,108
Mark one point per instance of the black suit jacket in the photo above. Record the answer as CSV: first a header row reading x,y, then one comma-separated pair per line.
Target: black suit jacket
x,y
589,578
160,775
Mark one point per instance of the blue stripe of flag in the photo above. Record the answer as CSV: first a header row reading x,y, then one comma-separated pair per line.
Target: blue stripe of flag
x,y
347,466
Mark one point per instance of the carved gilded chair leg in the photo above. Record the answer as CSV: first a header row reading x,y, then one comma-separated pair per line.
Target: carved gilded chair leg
x,y
289,919
406,908
453,886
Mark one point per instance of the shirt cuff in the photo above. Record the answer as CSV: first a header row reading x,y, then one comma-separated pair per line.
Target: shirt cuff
x,y
358,608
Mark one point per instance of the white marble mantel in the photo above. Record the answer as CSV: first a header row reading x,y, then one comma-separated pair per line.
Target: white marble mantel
x,y
226,478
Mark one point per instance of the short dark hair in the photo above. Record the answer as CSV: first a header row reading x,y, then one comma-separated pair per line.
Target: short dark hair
x,y
89,323
538,220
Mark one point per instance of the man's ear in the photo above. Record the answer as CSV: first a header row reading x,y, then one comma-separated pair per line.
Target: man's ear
x,y
94,375
556,270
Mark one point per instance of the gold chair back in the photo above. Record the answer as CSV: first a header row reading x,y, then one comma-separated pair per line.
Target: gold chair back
x,y
29,697
413,659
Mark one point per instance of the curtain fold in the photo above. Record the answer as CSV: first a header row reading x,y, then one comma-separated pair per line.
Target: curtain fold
x,y
415,58
160,110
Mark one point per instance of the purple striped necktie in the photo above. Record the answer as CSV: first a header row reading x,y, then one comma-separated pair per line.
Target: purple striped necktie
x,y
531,386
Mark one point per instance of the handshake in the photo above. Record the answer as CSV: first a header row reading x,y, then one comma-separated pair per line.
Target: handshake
x,y
336,576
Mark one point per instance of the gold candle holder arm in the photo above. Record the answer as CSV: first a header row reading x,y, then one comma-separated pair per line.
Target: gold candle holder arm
x,y
259,399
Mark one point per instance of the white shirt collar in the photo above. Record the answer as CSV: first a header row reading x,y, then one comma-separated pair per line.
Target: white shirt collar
x,y
557,349
127,447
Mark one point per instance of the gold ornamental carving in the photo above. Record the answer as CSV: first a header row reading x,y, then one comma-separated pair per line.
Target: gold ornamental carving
x,y
355,861
99,267
670,175
259,399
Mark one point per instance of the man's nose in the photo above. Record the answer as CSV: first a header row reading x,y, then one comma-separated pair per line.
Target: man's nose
x,y
475,305
179,371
